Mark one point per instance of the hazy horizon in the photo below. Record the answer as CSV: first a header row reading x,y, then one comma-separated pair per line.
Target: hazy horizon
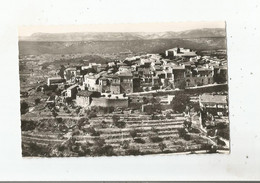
x,y
24,31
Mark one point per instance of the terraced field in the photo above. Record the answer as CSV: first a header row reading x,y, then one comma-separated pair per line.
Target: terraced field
x,y
166,130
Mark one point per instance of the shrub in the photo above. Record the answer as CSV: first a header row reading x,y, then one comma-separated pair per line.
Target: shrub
x,y
59,120
133,151
180,102
82,121
224,133
187,137
115,118
133,133
93,132
37,101
107,150
182,132
194,130
100,148
78,110
111,109
139,140
104,124
125,144
24,107
120,124
187,123
92,114
99,142
155,130
33,149
221,125
168,116
196,107
75,132
155,139
84,150
162,146
63,128
28,125
54,114
68,100
220,142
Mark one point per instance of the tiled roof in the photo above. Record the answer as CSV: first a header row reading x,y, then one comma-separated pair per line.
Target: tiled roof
x,y
84,93
71,69
126,74
178,68
206,98
204,69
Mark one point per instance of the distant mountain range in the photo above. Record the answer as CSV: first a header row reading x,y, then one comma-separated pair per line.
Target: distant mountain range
x,y
125,36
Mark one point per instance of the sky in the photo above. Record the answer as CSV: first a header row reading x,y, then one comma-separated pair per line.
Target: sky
x,y
140,27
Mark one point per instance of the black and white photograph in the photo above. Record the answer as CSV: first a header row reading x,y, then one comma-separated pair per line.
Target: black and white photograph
x,y
129,90
120,93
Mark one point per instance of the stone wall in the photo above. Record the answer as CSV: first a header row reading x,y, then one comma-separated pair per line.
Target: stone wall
x,y
198,81
82,101
110,102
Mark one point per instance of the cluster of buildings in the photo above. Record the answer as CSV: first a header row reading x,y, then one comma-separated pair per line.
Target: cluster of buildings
x,y
107,84
212,106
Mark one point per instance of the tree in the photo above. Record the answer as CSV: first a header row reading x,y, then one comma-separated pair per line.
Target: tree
x,y
125,144
133,133
196,107
33,149
220,78
99,142
93,132
182,84
75,132
182,132
100,148
155,130
28,125
59,120
107,150
54,113
24,107
37,101
133,151
187,123
68,100
168,115
162,146
78,110
63,128
139,140
82,122
153,100
115,119
61,71
92,114
155,138
145,100
120,124
180,102
111,109
38,89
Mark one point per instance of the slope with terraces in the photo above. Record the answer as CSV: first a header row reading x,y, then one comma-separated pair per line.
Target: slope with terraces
x,y
166,130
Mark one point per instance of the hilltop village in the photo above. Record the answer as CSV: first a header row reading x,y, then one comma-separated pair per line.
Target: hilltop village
x,y
109,85
143,104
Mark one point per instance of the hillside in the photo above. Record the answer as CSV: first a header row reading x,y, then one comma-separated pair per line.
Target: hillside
x,y
120,36
115,47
